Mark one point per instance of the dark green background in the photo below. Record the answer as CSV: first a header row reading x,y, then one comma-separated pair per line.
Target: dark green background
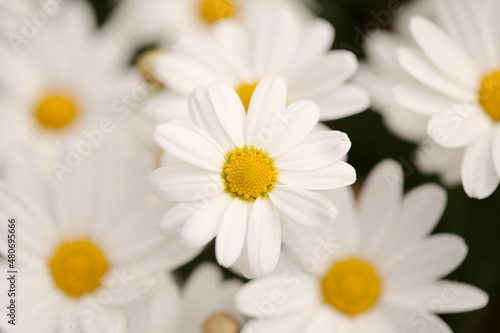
x,y
476,221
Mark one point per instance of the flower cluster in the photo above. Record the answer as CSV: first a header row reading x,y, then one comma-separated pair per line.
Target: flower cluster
x,y
212,147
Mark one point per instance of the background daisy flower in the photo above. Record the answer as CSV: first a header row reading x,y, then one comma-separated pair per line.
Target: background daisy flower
x,y
85,244
238,173
380,273
281,45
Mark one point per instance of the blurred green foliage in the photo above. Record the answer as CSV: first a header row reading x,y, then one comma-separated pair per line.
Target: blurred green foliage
x,y
476,221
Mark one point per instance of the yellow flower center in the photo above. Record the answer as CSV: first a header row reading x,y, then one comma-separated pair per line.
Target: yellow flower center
x,y
245,91
221,323
249,174
213,10
56,111
489,95
351,286
78,267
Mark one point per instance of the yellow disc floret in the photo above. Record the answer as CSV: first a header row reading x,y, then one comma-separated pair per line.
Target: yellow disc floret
x,y
55,111
77,267
245,91
489,95
213,10
351,286
249,174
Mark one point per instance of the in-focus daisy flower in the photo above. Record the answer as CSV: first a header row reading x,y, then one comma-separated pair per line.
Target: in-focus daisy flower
x,y
281,45
205,304
455,75
234,174
383,77
145,21
84,245
375,270
66,83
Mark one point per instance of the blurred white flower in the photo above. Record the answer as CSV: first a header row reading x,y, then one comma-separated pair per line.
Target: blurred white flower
x,y
87,245
382,75
66,82
235,174
282,45
375,270
145,21
454,70
205,299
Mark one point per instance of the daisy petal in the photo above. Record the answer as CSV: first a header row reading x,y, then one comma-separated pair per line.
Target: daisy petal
x,y
268,101
190,144
175,218
203,115
496,149
418,67
412,321
453,297
337,175
344,101
324,320
232,42
275,43
443,52
316,151
185,183
263,238
420,99
298,120
230,111
458,125
382,188
204,224
479,175
424,261
303,206
231,234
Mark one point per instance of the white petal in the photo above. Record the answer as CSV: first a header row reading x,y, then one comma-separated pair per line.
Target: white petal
x,y
440,297
182,74
317,39
268,101
379,202
414,321
343,102
444,52
204,224
303,206
424,261
232,42
479,176
204,115
325,319
337,175
230,111
496,148
324,76
191,145
374,321
264,237
185,183
231,234
295,123
420,99
316,151
175,218
458,125
275,43
420,69
421,211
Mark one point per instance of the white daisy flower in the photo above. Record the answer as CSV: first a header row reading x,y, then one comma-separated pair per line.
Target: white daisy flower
x,y
455,74
383,78
239,173
282,46
66,83
84,245
205,302
375,270
146,21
